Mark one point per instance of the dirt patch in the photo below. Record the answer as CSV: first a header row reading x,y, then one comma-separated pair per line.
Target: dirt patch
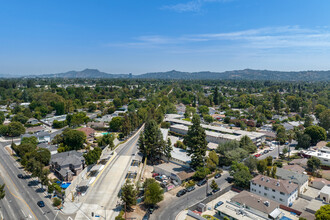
x,y
137,214
148,172
10,151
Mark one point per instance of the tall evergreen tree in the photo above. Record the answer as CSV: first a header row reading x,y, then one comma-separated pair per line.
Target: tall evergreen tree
x,y
128,194
168,149
216,96
277,102
126,126
195,140
151,142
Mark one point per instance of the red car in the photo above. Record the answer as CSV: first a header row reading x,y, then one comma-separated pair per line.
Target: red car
x,y
257,155
155,174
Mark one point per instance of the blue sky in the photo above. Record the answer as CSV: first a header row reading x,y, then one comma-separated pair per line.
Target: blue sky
x,y
138,36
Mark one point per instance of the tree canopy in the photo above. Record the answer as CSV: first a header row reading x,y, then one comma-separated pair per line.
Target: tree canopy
x,y
196,143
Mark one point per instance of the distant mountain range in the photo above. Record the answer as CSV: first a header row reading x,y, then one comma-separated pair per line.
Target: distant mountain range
x,y
247,74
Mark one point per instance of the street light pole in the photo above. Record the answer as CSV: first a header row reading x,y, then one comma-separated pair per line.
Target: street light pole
x,y
207,184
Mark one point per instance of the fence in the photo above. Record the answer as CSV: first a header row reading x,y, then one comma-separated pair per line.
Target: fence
x,y
306,197
194,215
290,209
81,176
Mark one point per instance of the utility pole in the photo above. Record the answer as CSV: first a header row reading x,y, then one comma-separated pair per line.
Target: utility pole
x,y
207,186
125,211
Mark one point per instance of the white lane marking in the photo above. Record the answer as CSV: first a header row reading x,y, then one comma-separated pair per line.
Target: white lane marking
x,y
56,214
23,213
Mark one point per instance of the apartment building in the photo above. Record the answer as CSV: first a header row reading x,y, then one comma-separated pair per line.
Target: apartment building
x,y
282,191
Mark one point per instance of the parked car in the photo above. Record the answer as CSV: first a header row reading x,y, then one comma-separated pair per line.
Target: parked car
x,y
257,155
209,194
230,179
218,204
41,204
191,188
146,216
20,176
216,190
159,178
266,151
202,182
181,192
218,175
151,210
271,148
155,174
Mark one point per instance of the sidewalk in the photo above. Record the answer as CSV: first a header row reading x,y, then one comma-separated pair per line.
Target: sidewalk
x,y
182,215
70,208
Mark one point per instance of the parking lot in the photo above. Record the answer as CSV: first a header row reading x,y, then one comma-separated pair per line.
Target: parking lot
x,y
300,204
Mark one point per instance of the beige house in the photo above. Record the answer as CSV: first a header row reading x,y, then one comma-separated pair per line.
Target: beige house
x,y
325,194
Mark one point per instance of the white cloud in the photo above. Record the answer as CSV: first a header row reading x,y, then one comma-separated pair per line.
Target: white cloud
x,y
285,37
191,6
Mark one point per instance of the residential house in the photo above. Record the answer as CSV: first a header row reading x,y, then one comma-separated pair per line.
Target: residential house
x,y
298,178
246,205
325,194
282,191
294,168
288,126
42,137
104,118
326,174
97,125
89,132
36,129
32,121
52,148
318,183
301,162
65,165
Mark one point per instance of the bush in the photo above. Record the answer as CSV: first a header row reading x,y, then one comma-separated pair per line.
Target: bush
x,y
57,202
59,124
120,216
201,173
190,183
165,124
278,164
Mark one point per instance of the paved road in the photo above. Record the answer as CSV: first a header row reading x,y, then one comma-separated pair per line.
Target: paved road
x,y
23,199
101,197
10,206
171,207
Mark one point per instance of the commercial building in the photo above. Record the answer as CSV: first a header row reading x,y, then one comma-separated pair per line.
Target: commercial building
x,y
282,191
179,156
216,134
175,171
323,154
